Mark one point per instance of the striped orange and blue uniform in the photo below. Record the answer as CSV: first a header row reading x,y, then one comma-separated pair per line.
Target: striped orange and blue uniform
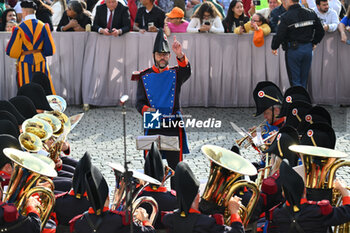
x,y
31,35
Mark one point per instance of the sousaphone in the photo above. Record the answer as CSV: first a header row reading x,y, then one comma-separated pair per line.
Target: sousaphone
x,y
320,166
30,176
226,167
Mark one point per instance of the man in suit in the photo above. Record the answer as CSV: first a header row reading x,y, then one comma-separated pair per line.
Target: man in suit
x,y
112,18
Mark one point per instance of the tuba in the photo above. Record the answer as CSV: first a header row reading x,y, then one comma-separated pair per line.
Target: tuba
x,y
225,170
320,166
29,174
139,182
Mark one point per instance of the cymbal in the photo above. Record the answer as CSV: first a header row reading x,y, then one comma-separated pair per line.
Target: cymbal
x,y
30,162
135,174
229,160
317,151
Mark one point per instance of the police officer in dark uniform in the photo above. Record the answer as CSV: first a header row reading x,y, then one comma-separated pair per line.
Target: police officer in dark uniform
x,y
158,91
166,199
99,219
303,216
299,30
188,218
74,202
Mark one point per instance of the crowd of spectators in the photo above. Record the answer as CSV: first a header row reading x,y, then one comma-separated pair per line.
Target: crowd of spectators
x,y
116,17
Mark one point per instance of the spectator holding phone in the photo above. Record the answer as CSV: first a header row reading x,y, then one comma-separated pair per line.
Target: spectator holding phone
x,y
235,16
149,17
206,19
264,11
257,23
75,18
174,22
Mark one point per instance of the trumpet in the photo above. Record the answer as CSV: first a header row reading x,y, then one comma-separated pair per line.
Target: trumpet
x,y
139,182
225,170
27,177
257,142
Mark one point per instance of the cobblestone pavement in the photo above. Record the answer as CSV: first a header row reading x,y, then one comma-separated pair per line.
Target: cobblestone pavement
x,y
100,132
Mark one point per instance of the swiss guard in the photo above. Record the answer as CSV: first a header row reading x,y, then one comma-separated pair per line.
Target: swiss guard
x,y
30,43
158,94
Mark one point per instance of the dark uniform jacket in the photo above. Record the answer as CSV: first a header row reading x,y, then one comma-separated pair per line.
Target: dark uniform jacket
x,y
181,73
314,217
166,202
68,206
298,25
29,224
200,223
111,222
120,20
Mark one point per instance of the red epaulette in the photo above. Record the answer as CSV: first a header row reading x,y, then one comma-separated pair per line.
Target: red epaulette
x,y
60,195
173,192
163,213
325,207
125,221
46,230
136,75
272,210
72,222
219,219
53,216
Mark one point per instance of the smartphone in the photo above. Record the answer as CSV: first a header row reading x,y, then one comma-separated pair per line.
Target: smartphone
x,y
241,23
110,31
256,2
206,23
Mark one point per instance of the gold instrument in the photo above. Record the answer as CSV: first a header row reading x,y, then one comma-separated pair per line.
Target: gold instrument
x,y
65,122
263,172
38,127
320,165
139,182
225,169
30,142
61,134
257,142
51,119
57,103
29,176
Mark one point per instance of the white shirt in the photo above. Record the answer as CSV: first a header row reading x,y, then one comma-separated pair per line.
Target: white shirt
x,y
216,25
28,17
333,4
330,18
57,13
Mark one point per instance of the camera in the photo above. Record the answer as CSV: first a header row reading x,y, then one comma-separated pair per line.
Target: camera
x,y
206,23
256,2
